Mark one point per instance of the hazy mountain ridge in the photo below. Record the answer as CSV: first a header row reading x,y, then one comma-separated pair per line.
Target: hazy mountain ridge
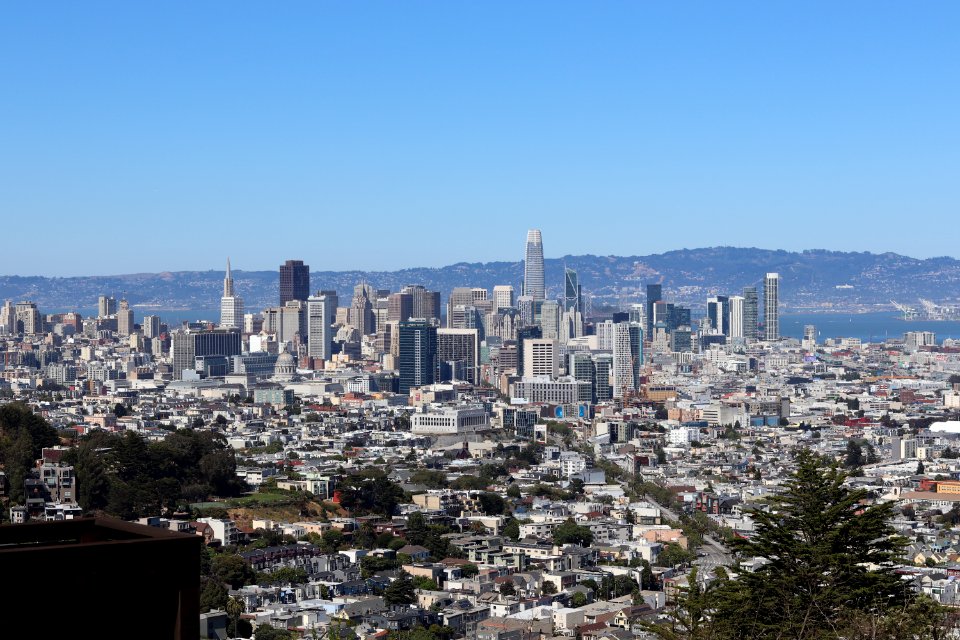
x,y
809,280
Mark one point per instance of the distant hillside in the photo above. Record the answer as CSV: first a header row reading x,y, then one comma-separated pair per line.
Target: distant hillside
x,y
809,280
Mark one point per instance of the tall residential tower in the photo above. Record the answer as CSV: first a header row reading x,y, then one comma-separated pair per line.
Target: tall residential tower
x,y
771,306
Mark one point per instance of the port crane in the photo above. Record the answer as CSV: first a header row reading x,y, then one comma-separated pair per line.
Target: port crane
x,y
909,313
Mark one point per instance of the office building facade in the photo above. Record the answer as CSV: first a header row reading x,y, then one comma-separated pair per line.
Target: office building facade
x,y
418,354
321,316
751,313
186,346
294,281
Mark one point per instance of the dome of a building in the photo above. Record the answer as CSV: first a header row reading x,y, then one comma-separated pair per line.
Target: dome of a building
x,y
286,365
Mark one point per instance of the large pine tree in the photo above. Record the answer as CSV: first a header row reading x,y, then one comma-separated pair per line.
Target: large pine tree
x,y
825,559
828,558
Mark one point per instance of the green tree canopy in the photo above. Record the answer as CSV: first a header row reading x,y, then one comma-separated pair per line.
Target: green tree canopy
x,y
571,533
401,591
827,558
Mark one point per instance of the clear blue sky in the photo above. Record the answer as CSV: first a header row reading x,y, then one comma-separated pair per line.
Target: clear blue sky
x,y
140,136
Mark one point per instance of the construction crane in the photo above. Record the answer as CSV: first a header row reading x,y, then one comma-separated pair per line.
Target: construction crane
x,y
909,313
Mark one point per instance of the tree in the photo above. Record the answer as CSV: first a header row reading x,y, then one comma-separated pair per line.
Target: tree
x,y
690,617
569,532
828,558
513,491
469,483
491,504
370,565
416,528
401,591
854,459
920,469
232,569
578,600
234,608
213,595
469,570
424,583
673,554
332,539
266,632
512,529
548,588
507,589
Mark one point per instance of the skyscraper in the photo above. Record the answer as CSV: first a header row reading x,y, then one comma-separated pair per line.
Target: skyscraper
x,y
8,318
418,354
124,319
627,357
151,326
751,313
361,309
294,281
503,297
459,296
572,293
231,305
718,311
654,295
541,357
28,319
321,316
550,319
736,317
399,306
524,333
771,306
533,284
459,349
106,306
424,304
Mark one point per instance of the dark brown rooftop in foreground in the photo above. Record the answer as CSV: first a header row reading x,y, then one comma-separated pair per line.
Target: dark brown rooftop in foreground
x,y
101,576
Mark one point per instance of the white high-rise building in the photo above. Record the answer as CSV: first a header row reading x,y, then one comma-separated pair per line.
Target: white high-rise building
x,y
571,325
533,282
771,306
809,341
605,335
321,316
736,316
231,305
8,318
151,326
541,357
503,297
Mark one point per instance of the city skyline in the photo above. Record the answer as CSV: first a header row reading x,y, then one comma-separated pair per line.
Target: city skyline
x,y
726,122
372,430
